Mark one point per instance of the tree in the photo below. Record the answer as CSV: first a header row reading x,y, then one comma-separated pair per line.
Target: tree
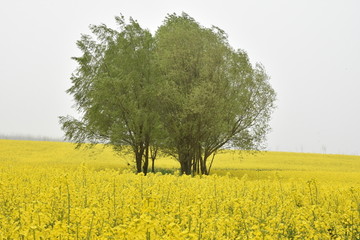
x,y
185,91
211,94
113,88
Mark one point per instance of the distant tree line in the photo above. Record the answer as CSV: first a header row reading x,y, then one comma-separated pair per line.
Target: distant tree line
x,y
30,137
183,91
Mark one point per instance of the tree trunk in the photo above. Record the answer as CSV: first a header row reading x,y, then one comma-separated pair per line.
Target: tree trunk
x,y
194,165
211,162
185,163
153,154
147,154
153,165
185,167
138,159
146,161
182,167
204,169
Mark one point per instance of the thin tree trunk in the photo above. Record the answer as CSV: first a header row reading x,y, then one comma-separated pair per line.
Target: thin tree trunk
x,y
203,165
146,161
199,157
138,159
194,165
153,165
153,153
212,160
188,167
198,166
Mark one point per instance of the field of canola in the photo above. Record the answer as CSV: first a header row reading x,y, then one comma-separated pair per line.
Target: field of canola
x,y
49,190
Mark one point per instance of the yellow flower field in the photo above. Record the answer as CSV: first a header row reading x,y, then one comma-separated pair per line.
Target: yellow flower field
x,y
48,190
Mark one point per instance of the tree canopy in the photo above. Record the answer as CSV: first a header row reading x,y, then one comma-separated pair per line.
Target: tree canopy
x,y
184,90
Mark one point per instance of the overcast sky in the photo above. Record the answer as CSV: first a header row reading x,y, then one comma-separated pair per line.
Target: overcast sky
x,y
311,50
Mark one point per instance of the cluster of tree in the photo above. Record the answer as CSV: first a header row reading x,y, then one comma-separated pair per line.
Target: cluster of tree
x,y
184,91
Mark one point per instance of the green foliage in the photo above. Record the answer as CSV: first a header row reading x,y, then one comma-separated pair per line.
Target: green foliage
x,y
185,90
112,88
211,94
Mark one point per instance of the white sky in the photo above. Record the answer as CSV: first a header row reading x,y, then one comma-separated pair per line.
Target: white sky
x,y
311,50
